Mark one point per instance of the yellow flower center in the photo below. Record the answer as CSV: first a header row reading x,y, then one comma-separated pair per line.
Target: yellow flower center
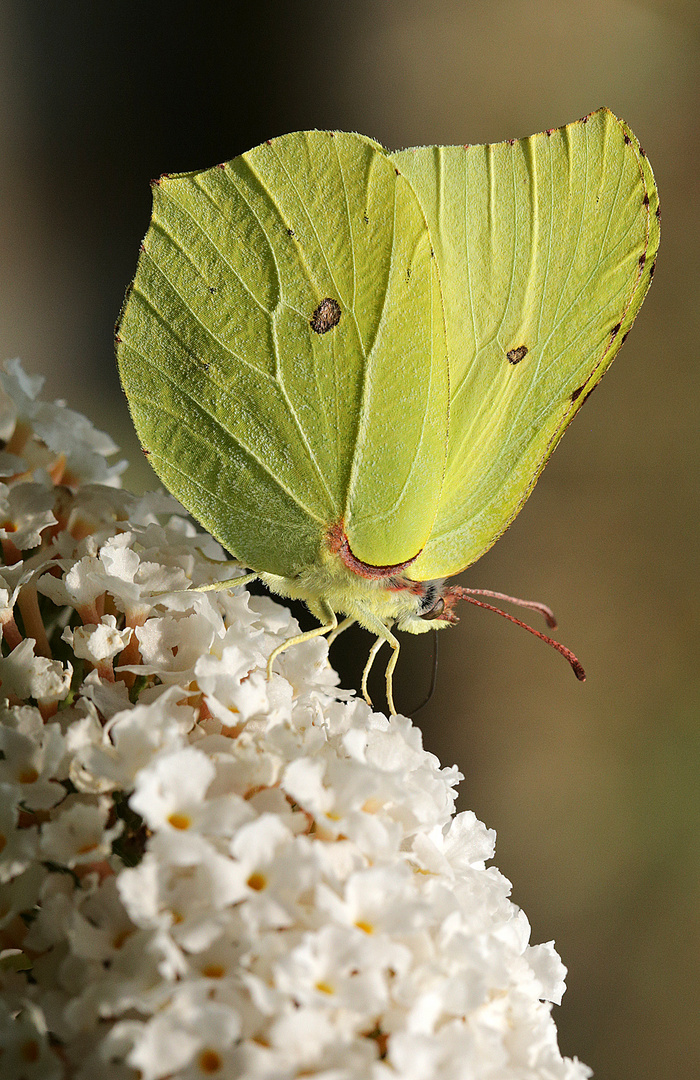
x,y
210,1061
180,821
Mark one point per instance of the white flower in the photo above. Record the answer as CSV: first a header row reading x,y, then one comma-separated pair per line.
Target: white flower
x,y
33,757
98,643
171,794
55,912
26,1054
19,896
189,1026
78,834
171,645
18,846
182,886
206,873
462,843
26,511
12,579
24,675
333,967
549,970
232,677
62,430
276,871
131,738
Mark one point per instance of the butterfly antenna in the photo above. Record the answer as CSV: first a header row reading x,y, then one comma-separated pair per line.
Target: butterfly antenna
x,y
465,594
533,605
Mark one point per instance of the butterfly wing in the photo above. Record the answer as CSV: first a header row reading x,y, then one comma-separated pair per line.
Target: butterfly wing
x,y
276,298
545,248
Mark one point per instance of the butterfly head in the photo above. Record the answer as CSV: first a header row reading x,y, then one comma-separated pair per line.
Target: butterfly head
x,y
431,607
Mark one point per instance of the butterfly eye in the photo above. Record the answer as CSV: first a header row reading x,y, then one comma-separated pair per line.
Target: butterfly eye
x,y
435,611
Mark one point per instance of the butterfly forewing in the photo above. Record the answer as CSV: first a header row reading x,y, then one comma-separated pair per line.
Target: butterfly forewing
x,y
544,248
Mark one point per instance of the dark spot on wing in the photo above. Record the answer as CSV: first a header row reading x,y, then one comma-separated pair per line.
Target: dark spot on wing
x,y
408,273
624,338
585,119
221,165
290,232
642,258
365,219
326,316
651,271
577,392
516,355
627,139
641,151
658,211
511,142
145,451
615,330
397,171
645,200
205,366
212,288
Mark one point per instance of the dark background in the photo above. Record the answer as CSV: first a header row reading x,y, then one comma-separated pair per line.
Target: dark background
x,y
593,788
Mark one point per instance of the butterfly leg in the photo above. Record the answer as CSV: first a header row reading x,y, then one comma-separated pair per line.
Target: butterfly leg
x,y
368,667
230,583
339,629
390,674
318,631
376,626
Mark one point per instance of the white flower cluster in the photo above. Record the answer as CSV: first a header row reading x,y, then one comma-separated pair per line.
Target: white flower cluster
x,y
204,873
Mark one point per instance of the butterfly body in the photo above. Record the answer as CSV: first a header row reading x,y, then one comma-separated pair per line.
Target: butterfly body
x,y
354,588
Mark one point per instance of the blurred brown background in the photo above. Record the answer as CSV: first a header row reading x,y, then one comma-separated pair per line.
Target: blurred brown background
x,y
593,789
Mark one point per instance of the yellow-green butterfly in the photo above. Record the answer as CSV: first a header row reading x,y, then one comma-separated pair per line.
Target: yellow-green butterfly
x,y
351,365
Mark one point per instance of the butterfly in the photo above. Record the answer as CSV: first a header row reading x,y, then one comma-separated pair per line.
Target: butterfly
x,y
351,365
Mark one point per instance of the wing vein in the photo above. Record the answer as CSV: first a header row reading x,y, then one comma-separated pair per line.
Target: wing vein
x,y
181,389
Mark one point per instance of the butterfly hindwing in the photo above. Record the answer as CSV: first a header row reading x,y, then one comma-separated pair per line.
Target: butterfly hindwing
x,y
275,298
